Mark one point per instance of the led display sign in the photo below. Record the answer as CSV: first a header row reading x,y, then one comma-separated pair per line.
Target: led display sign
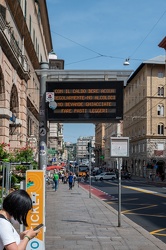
x,y
86,101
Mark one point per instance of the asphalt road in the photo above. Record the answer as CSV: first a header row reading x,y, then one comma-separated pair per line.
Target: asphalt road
x,y
142,203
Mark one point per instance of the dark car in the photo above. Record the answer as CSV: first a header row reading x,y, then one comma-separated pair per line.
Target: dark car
x,y
126,175
96,172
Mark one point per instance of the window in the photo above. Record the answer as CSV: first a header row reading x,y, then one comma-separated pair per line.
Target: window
x,y
143,76
3,11
25,9
143,92
160,91
29,128
139,148
34,37
160,146
30,24
160,75
160,129
160,110
132,149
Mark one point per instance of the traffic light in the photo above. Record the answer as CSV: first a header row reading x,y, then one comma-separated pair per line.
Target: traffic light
x,y
89,146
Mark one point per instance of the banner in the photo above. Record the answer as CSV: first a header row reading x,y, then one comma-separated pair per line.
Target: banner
x,y
35,186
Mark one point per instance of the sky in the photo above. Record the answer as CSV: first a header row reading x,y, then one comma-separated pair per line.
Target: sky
x,y
102,34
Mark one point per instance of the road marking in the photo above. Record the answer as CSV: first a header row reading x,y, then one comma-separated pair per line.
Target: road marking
x,y
145,191
135,209
141,190
149,215
156,232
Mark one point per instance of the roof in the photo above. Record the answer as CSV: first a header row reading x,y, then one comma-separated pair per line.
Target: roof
x,y
162,44
155,60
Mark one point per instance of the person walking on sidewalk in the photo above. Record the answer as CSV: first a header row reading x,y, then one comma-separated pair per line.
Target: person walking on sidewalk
x,y
56,180
70,178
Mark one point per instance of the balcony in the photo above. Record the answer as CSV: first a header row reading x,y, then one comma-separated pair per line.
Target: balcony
x,y
60,135
13,52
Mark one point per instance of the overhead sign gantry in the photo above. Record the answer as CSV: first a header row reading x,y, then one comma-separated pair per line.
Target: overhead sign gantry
x,y
86,95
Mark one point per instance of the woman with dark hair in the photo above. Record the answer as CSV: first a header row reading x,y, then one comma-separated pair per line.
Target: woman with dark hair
x,y
15,208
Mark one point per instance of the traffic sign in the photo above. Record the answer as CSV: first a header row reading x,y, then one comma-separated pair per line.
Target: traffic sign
x,y
42,131
49,96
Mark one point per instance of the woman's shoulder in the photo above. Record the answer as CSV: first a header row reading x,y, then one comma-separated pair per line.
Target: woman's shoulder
x,y
5,225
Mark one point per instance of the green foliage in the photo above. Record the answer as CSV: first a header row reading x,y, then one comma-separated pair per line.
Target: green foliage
x,y
24,155
3,152
21,168
35,165
15,179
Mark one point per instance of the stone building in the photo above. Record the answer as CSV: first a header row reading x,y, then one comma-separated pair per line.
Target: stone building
x,y
103,132
55,131
145,117
82,154
25,41
99,148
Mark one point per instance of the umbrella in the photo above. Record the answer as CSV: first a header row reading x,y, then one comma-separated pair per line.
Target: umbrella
x,y
53,167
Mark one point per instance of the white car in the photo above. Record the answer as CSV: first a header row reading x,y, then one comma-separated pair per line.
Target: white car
x,y
105,176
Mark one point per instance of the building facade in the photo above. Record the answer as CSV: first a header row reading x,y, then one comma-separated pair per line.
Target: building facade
x,y
82,153
145,118
25,41
99,148
55,132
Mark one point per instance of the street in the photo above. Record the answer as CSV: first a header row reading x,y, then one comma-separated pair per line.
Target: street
x,y
142,203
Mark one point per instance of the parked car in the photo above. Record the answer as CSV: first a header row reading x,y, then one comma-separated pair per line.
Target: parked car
x,y
105,176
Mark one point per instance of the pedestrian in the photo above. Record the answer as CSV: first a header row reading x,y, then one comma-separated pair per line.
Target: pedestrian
x,y
56,180
74,179
63,176
15,208
70,178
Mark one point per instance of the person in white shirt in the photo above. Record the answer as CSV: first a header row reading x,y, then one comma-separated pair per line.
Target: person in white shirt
x,y
15,207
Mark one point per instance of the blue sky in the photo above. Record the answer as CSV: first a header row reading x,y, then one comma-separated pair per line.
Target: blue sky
x,y
101,34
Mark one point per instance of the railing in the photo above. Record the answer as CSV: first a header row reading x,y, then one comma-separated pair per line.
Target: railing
x,y
7,31
5,180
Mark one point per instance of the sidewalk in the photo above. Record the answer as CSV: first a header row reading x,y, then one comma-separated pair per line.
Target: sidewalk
x,y
76,222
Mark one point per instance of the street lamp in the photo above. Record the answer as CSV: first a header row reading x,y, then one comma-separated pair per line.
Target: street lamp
x,y
126,62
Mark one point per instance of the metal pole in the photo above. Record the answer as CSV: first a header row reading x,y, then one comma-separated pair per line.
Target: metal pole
x,y
119,193
43,119
78,176
90,151
22,186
